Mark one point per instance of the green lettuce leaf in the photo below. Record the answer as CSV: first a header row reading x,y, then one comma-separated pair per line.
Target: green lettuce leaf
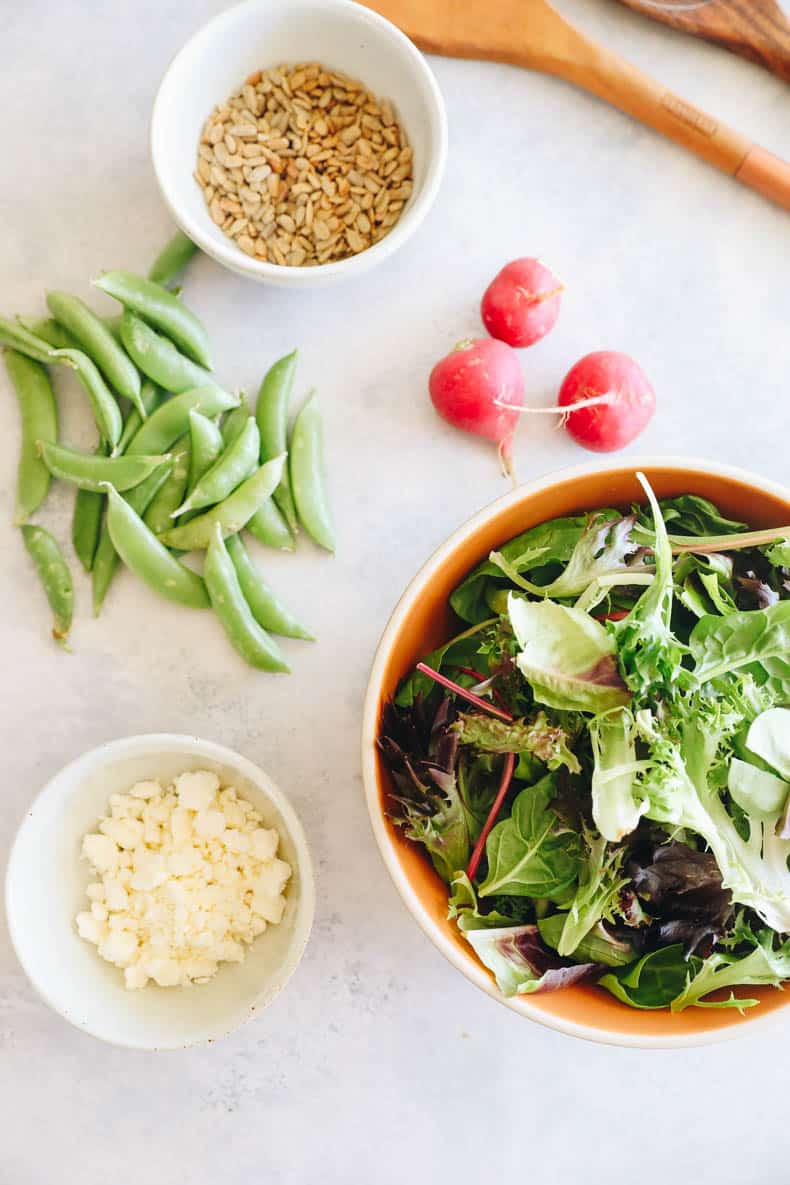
x,y
567,657
769,738
756,791
533,853
522,964
762,965
616,804
549,742
600,881
598,945
757,640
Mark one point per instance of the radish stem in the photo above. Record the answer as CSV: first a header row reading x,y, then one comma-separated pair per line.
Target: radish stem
x,y
496,806
457,689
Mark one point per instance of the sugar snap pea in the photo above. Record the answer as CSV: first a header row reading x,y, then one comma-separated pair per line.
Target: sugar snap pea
x,y
157,516
269,527
18,337
150,397
113,324
234,421
271,414
86,520
142,552
306,461
227,473
160,308
171,419
39,415
106,558
227,599
172,259
157,357
230,515
55,578
206,445
267,609
94,338
51,332
92,471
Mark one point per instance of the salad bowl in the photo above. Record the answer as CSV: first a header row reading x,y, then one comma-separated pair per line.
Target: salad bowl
x,y
423,621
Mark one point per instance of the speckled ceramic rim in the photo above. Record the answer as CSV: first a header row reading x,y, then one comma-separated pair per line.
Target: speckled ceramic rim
x,y
231,256
389,844
133,746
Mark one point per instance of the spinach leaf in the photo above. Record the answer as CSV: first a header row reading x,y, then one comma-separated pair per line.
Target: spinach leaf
x,y
654,981
597,946
758,639
691,515
533,853
567,657
552,542
462,650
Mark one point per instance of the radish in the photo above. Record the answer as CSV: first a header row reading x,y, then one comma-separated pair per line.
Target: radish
x,y
522,303
479,388
612,399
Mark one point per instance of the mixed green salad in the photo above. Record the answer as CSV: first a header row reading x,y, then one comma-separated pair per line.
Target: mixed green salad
x,y
599,765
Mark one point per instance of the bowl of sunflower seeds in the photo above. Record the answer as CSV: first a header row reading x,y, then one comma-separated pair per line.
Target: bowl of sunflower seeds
x,y
299,141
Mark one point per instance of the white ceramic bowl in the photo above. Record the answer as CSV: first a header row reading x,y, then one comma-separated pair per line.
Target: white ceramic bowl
x,y
262,33
45,889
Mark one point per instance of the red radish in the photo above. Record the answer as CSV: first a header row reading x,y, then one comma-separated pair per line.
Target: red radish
x,y
479,388
522,303
614,397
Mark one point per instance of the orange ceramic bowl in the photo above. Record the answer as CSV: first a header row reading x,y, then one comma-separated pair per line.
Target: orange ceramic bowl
x,y
423,620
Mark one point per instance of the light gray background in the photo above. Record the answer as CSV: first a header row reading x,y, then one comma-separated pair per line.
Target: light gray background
x,y
379,1064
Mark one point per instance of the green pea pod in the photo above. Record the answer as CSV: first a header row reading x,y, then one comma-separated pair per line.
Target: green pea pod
x,y
106,411
230,515
51,332
172,259
269,527
227,473
55,578
94,338
307,475
106,559
234,422
39,413
206,441
114,326
271,414
150,397
160,308
18,337
92,471
142,552
227,599
171,419
157,357
267,609
157,516
86,520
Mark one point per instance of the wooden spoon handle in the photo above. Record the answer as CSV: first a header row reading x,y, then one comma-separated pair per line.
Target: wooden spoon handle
x,y
608,76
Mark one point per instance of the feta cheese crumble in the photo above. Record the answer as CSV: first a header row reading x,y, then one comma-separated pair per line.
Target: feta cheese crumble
x,y
187,877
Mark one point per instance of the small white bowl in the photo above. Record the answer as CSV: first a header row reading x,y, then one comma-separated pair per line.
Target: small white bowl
x,y
45,889
340,34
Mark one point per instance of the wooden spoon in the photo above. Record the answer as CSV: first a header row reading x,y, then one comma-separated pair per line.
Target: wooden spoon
x,y
532,34
755,29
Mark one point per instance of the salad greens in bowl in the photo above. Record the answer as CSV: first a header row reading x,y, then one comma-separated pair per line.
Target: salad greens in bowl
x,y
582,786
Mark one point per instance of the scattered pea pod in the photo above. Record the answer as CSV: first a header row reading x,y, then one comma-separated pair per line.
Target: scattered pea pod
x,y
172,259
18,337
157,516
150,397
206,445
171,419
51,332
39,415
232,468
157,357
55,578
160,308
94,338
267,609
271,414
243,631
269,527
232,514
86,520
307,475
141,551
94,471
106,558
234,422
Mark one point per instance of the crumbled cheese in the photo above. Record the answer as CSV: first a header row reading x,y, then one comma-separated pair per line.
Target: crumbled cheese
x,y
187,877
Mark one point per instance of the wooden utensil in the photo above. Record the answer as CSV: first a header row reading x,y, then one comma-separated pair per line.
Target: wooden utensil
x,y
532,34
755,29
